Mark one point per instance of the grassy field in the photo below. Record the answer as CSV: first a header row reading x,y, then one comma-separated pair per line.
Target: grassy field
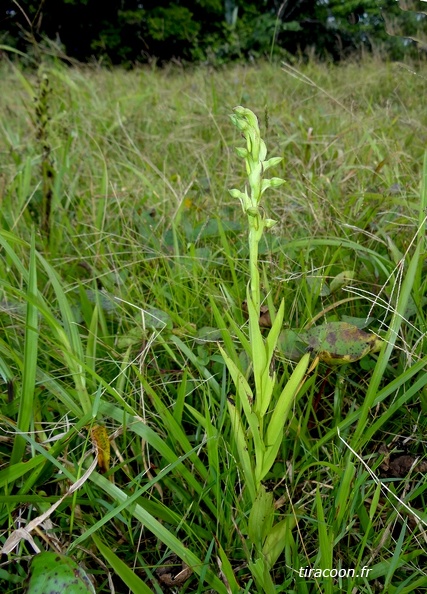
x,y
124,302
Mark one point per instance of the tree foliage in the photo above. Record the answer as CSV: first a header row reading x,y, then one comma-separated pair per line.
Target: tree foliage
x,y
130,31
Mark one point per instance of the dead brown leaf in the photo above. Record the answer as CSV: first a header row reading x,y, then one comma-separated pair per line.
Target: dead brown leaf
x,y
174,572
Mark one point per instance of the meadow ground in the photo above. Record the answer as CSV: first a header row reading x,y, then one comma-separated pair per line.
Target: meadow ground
x,y
124,271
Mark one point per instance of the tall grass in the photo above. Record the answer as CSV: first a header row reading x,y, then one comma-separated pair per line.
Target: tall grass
x,y
117,317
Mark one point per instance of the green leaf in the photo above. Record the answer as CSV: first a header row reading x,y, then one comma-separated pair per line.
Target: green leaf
x,y
242,449
208,334
259,355
290,345
161,532
51,573
243,389
342,500
341,280
261,517
358,322
157,319
325,540
26,401
276,539
273,335
69,336
274,433
228,571
272,163
132,581
337,343
318,286
259,570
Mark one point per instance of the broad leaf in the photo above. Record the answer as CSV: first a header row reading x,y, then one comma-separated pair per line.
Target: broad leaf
x,y
52,572
337,343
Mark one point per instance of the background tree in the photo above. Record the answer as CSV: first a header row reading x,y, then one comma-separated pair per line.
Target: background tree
x,y
217,31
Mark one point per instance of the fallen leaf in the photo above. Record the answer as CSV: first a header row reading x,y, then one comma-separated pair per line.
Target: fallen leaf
x,y
337,343
264,315
174,572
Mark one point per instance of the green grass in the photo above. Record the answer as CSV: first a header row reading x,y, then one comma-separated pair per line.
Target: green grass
x,y
117,317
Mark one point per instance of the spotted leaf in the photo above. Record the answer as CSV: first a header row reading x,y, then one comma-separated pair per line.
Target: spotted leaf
x,y
337,343
51,573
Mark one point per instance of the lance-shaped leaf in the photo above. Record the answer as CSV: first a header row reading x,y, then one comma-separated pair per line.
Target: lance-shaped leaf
x,y
242,448
274,433
244,394
276,540
267,378
261,517
243,389
259,355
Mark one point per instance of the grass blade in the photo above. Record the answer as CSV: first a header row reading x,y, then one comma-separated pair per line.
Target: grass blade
x,y
26,402
132,581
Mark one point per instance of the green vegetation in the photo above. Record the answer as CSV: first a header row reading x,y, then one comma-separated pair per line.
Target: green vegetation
x,y
130,287
212,31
